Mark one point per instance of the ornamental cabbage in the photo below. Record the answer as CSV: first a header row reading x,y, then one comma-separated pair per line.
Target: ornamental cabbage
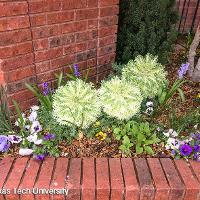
x,y
76,103
120,99
145,73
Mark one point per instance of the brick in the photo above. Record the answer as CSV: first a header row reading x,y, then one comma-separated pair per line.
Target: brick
x,y
38,20
82,56
58,17
12,23
13,8
162,187
74,179
74,4
20,73
13,37
107,49
104,68
117,186
92,34
17,62
88,184
15,50
81,25
69,49
44,5
29,179
62,61
20,85
92,44
81,37
106,31
55,41
42,67
68,39
41,44
47,76
48,54
59,178
68,27
19,96
102,174
46,31
92,23
108,2
192,186
145,180
92,3
44,177
14,178
92,62
130,180
103,60
107,40
109,11
92,53
87,13
2,79
196,169
108,21
5,166
81,46
175,183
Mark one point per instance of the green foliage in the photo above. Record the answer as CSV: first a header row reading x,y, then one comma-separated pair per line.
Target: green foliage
x,y
126,145
76,104
45,100
5,114
49,124
166,93
145,73
141,135
146,26
184,122
120,99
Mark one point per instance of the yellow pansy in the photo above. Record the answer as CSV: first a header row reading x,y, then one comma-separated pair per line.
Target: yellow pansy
x,y
101,135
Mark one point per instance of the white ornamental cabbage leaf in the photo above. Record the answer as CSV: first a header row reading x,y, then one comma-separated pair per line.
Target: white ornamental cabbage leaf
x,y
76,103
146,73
119,99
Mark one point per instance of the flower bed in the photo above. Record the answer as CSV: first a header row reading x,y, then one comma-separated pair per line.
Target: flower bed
x,y
121,117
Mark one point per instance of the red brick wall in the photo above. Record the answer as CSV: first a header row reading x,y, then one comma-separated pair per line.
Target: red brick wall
x,y
187,11
39,38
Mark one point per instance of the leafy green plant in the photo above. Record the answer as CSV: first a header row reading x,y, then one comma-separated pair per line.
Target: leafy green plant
x,y
126,145
145,73
76,104
5,114
119,99
142,135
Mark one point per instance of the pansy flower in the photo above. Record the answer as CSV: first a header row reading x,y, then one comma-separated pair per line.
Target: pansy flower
x,y
36,127
25,152
185,150
49,136
14,139
4,143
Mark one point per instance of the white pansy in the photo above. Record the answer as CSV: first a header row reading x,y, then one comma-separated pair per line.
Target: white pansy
x,y
174,134
25,152
173,143
35,108
35,127
166,134
34,139
149,104
14,139
33,116
27,127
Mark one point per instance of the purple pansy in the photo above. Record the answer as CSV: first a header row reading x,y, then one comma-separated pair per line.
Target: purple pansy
x,y
183,70
185,150
4,143
197,157
40,157
76,71
49,136
14,139
196,148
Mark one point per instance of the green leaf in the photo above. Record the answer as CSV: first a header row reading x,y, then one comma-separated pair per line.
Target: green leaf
x,y
149,150
139,149
181,94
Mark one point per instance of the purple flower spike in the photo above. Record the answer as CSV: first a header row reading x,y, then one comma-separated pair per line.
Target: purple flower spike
x,y
49,136
45,87
4,143
183,70
76,71
40,157
185,150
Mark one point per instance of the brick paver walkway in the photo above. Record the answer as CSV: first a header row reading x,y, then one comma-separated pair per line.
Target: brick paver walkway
x,y
99,179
